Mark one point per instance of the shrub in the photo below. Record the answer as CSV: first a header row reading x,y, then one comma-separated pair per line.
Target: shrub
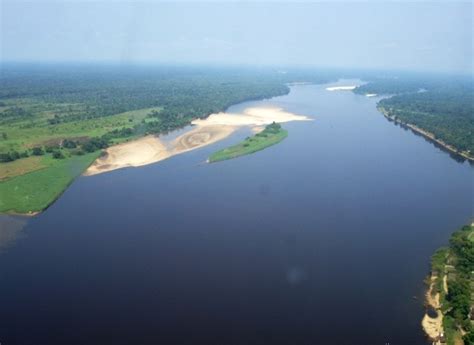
x,y
37,151
58,155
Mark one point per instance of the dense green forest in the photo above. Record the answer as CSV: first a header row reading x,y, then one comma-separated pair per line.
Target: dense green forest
x,y
441,106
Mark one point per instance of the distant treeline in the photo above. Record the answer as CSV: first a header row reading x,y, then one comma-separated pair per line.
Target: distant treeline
x,y
188,94
35,96
441,106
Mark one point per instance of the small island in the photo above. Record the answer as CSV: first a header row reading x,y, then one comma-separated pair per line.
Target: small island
x,y
271,135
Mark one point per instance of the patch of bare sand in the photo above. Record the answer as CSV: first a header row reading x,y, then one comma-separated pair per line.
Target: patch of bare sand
x,y
199,137
251,117
433,327
135,153
341,88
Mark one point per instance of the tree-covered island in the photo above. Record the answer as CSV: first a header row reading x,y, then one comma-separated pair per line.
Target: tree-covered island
x,y
271,135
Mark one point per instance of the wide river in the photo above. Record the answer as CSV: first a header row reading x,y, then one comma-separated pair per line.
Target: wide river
x,y
324,238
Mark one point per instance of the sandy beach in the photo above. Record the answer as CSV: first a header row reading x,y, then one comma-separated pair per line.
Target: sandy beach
x,y
433,327
199,137
151,149
135,153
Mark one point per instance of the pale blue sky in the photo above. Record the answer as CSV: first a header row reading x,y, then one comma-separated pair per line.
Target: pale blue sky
x,y
391,35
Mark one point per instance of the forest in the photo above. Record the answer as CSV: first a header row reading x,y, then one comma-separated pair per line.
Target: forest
x,y
441,106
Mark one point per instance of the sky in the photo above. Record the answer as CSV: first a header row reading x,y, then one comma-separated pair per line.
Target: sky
x,y
424,36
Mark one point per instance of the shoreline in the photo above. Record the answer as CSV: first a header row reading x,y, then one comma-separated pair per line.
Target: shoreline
x,y
452,303
427,135
271,135
38,210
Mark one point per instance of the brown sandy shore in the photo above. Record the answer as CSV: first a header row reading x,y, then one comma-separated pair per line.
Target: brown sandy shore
x,y
433,327
428,135
152,149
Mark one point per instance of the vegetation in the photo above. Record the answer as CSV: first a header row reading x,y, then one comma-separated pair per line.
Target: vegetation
x,y
456,263
271,135
35,190
442,107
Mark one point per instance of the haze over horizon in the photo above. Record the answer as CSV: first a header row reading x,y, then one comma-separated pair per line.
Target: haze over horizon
x,y
407,36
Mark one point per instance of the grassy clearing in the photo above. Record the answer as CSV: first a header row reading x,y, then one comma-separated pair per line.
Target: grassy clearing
x,y
25,134
34,191
452,334
271,135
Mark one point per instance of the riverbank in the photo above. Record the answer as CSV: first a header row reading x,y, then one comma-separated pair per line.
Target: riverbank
x,y
427,135
271,135
450,291
33,192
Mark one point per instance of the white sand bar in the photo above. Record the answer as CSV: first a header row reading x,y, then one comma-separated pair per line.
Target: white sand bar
x,y
215,127
135,153
251,117
341,88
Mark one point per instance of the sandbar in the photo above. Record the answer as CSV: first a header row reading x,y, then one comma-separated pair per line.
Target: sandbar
x,y
341,88
256,116
215,127
199,137
143,151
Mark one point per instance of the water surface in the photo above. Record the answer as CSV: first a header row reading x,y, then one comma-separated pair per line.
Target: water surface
x,y
324,238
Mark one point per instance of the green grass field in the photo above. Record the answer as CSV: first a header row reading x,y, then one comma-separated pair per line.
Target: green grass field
x,y
272,135
28,133
34,191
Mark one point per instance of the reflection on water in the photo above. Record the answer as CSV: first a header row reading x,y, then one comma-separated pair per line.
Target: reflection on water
x,y
10,231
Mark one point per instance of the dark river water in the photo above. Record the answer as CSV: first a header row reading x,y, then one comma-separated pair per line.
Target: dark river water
x,y
324,238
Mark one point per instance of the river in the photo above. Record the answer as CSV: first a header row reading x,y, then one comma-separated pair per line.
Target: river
x,y
324,238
